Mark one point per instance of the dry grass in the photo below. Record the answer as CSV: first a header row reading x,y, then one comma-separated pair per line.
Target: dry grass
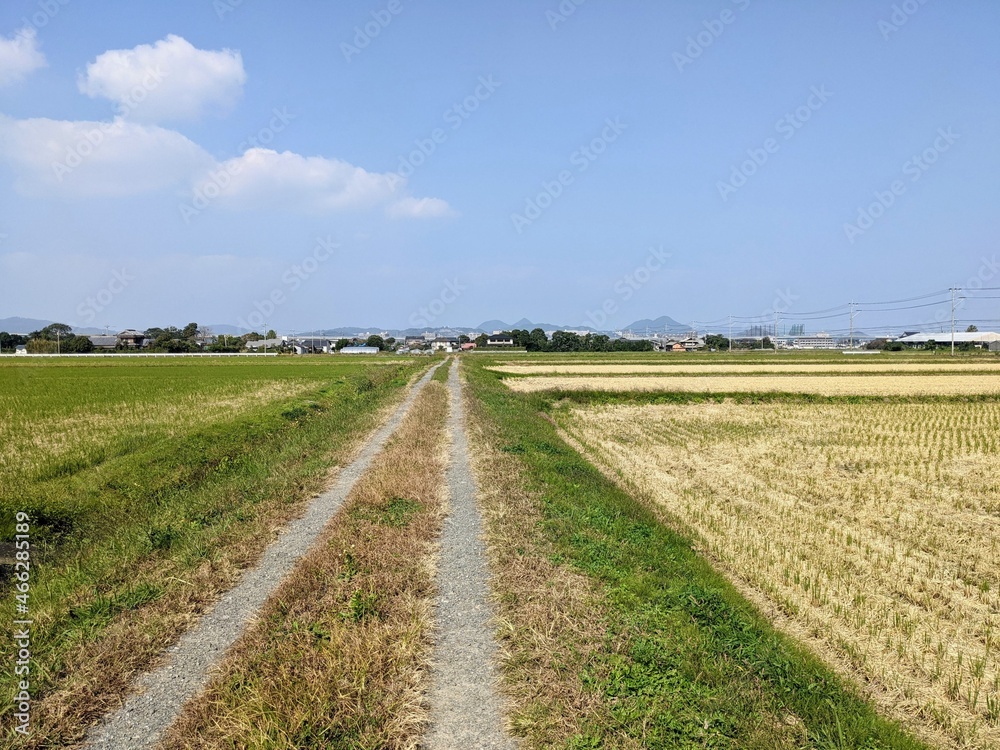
x,y
338,658
869,530
552,618
847,385
676,367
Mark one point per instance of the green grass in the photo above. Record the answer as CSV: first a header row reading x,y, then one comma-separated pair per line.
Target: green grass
x,y
688,661
171,467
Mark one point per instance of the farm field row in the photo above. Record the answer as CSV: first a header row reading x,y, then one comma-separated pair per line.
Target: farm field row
x,y
681,367
150,485
821,385
868,530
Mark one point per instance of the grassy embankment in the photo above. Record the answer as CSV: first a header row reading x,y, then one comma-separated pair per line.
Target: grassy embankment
x,y
338,657
150,486
618,633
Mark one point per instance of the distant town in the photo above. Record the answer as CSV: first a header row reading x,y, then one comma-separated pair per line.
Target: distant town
x,y
59,338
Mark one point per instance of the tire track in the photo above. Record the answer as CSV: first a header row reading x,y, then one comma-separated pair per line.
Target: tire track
x,y
466,707
161,693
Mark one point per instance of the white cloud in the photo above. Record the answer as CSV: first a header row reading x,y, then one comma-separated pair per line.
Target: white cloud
x,y
169,80
19,55
420,208
262,178
83,158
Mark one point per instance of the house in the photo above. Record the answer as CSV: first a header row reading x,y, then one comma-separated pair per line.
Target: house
x,y
359,350
979,339
264,345
130,339
444,343
22,349
104,343
309,345
500,339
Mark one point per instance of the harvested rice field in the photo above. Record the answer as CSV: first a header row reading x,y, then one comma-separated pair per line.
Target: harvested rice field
x,y
822,385
869,531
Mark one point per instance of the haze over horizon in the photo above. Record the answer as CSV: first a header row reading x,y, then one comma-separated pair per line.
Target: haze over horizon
x,y
577,161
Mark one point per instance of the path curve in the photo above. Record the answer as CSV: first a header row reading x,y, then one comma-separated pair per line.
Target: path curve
x,y
466,708
141,722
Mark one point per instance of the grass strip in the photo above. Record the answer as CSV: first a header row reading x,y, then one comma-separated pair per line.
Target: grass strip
x,y
153,537
685,660
338,657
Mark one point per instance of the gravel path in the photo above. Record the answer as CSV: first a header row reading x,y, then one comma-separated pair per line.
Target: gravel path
x,y
142,720
466,709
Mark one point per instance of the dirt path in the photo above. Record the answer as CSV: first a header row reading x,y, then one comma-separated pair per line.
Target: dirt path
x,y
466,709
162,692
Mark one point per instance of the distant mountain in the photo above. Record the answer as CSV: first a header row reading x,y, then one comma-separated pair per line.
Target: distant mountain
x,y
526,325
22,325
663,324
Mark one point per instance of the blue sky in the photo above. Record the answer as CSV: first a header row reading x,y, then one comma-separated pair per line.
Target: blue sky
x,y
446,163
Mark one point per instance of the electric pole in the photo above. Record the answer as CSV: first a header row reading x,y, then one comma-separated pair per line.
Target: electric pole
x,y
852,326
953,291
730,334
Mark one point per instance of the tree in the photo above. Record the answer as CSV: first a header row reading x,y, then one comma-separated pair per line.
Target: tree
x,y
463,339
716,342
11,341
272,334
77,345
564,341
482,340
931,345
376,341
972,329
341,343
537,341
53,332
190,331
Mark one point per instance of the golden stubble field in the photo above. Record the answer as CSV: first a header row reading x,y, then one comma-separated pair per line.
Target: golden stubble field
x,y
887,384
870,531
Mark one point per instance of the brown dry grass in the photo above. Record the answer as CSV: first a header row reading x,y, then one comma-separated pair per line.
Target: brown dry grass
x,y
551,617
338,658
846,385
867,530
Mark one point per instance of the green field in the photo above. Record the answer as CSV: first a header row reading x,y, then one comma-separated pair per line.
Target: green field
x,y
149,485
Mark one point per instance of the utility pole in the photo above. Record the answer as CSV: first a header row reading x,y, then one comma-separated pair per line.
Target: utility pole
x,y
730,334
774,341
953,291
850,344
